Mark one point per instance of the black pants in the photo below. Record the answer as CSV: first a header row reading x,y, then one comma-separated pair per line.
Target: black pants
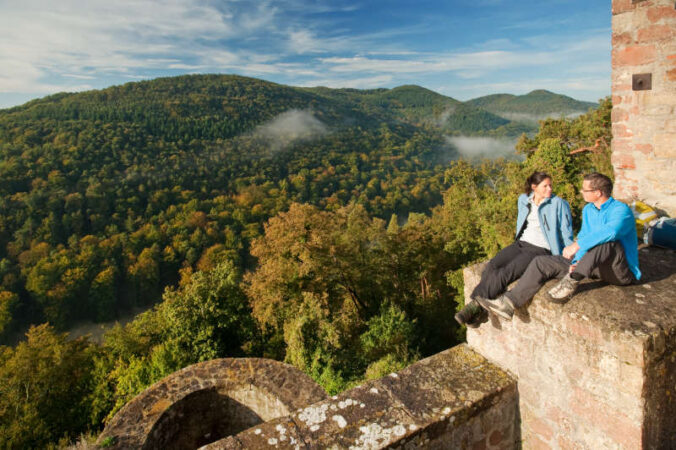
x,y
507,266
605,261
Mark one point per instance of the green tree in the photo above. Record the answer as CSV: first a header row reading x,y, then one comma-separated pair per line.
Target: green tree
x,y
45,382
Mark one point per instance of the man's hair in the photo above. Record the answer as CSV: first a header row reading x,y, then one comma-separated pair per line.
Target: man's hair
x,y
598,181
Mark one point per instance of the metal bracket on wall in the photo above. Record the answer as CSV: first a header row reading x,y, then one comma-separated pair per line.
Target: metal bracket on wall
x,y
642,82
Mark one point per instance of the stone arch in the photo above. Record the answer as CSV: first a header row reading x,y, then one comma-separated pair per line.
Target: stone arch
x,y
208,401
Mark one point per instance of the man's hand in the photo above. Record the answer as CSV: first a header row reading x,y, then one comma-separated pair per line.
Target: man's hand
x,y
569,252
572,268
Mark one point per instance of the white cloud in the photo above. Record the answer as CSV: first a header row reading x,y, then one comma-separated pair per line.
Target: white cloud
x,y
357,83
303,41
51,46
478,62
290,127
482,147
39,40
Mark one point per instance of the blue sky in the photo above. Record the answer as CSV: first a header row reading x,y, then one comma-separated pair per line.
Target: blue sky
x,y
460,48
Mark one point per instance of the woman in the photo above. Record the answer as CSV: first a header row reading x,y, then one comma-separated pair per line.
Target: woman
x,y
544,226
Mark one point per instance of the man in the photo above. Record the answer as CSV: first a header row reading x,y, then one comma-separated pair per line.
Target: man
x,y
606,248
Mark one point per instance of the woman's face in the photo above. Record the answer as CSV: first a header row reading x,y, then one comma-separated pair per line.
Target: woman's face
x,y
544,189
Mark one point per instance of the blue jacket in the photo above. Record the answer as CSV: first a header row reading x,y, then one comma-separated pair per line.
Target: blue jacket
x,y
614,221
555,220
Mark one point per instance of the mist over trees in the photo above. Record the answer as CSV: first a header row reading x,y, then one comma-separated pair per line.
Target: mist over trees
x,y
325,228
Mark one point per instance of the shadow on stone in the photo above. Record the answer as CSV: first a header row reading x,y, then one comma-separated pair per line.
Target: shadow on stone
x,y
198,419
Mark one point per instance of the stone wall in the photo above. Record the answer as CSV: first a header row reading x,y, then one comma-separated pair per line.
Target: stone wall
x,y
208,401
599,371
454,399
644,101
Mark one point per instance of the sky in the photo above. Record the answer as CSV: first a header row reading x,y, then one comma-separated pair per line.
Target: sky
x,y
460,48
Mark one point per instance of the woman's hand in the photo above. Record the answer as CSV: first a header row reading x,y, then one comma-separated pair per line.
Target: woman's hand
x,y
569,252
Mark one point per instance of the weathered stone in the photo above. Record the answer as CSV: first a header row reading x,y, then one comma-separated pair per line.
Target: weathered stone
x,y
601,373
474,400
208,401
644,42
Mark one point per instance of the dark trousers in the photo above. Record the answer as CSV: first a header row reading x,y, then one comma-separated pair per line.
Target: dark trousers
x,y
507,266
605,261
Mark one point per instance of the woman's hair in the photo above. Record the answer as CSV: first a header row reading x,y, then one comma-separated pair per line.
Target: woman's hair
x,y
535,178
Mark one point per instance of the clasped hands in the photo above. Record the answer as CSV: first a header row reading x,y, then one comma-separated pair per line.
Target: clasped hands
x,y
569,253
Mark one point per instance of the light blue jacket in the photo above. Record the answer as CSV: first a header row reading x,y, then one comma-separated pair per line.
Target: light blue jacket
x,y
614,221
555,220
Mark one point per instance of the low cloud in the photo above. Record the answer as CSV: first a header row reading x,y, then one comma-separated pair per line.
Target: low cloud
x,y
482,147
535,118
443,117
290,127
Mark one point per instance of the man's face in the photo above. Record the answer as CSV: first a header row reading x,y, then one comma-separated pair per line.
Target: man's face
x,y
590,195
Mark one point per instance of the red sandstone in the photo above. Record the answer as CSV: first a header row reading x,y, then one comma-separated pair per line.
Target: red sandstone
x,y
621,39
620,6
644,148
655,33
634,55
663,12
624,161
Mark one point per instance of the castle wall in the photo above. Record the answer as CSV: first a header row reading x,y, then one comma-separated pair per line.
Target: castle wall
x,y
597,372
454,399
644,101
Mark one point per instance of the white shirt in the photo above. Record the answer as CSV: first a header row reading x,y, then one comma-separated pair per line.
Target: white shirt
x,y
533,233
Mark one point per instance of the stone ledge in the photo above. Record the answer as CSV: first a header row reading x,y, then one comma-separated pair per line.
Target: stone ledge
x,y
453,399
599,370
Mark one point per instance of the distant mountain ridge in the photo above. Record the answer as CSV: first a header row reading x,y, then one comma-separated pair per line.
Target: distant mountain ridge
x,y
227,99
537,104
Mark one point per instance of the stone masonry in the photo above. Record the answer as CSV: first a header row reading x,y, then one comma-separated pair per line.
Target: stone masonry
x,y
454,399
598,372
207,401
644,101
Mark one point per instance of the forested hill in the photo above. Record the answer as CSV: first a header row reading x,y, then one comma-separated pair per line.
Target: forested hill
x,y
537,104
322,227
106,195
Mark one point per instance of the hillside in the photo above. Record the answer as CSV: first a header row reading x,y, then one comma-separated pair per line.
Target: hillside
x,y
313,226
135,182
107,194
537,104
422,106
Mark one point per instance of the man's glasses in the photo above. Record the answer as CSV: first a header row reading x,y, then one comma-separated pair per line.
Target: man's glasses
x,y
588,190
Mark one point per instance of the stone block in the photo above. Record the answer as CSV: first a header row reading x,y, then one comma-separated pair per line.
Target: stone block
x,y
646,149
620,161
621,6
613,423
593,377
634,55
621,39
671,75
621,131
656,111
655,33
661,13
619,114
665,145
455,399
657,99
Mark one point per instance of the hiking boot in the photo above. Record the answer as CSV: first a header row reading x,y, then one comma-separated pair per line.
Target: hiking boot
x,y
564,289
471,315
501,306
